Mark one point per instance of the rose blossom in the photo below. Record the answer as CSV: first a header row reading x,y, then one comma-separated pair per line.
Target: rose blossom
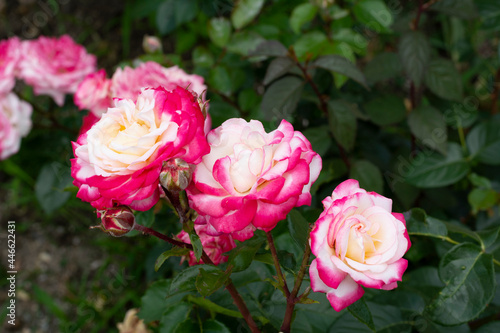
x,y
15,122
94,94
55,66
119,159
357,242
214,244
252,179
10,52
96,91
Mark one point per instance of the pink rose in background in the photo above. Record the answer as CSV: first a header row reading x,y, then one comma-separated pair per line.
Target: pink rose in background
x,y
15,123
119,159
96,91
10,52
357,242
252,179
214,244
55,66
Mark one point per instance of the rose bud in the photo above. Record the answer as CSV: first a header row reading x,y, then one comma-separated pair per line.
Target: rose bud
x,y
117,221
151,44
176,174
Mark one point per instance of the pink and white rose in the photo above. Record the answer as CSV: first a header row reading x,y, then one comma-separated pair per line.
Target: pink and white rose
x,y
15,123
96,91
252,179
214,244
119,159
10,53
55,66
357,242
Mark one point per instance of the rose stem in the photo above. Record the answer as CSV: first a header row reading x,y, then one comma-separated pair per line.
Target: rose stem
x,y
182,211
292,299
322,102
240,303
274,254
174,199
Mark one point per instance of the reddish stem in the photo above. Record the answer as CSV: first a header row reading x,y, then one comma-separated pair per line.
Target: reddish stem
x,y
292,299
238,300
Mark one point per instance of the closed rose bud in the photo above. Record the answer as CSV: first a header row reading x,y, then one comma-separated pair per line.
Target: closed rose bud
x,y
176,175
117,221
151,44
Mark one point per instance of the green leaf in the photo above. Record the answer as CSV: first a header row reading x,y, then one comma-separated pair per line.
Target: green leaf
x,y
428,125
382,67
461,229
302,14
172,13
209,281
483,142
219,31
478,181
418,224
188,325
278,67
310,45
464,9
443,79
430,169
342,122
244,42
146,218
482,199
281,97
270,48
489,10
360,310
202,57
339,64
173,316
368,175
214,326
491,327
489,236
221,111
153,303
319,138
173,252
242,255
220,80
374,14
469,279
50,184
197,246
414,53
386,110
245,11
298,227
185,280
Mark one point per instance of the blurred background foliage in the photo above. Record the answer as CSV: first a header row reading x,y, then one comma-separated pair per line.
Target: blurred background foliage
x,y
400,95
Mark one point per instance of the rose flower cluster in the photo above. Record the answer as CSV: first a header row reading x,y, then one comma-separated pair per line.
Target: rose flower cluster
x,y
52,66
148,135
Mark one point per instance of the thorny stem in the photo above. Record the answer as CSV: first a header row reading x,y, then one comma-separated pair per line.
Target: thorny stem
x,y
274,253
292,299
322,102
183,215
